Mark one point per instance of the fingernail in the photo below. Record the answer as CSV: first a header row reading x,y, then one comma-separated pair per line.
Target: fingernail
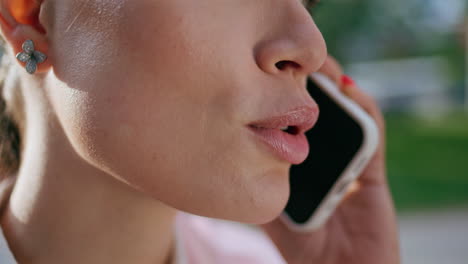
x,y
347,81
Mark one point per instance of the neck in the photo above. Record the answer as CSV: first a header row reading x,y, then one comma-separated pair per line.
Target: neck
x,y
64,210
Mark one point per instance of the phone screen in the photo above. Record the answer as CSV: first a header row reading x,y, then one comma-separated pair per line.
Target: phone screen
x,y
334,141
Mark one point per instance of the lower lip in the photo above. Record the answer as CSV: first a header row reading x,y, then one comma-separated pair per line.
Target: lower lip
x,y
292,148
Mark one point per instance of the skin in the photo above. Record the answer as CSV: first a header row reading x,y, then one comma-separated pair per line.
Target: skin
x,y
141,111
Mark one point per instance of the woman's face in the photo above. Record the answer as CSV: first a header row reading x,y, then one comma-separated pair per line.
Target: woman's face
x,y
159,93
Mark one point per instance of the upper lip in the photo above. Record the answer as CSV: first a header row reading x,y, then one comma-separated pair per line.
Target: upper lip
x,y
301,118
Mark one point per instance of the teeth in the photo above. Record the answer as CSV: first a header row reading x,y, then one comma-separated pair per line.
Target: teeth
x,y
284,128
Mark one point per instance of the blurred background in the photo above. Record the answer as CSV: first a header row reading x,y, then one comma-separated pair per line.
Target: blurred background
x,y
411,55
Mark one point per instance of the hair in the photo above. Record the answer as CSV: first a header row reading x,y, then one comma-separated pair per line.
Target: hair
x,y
10,139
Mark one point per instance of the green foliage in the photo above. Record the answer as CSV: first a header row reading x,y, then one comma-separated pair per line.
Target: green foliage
x,y
337,20
428,160
363,30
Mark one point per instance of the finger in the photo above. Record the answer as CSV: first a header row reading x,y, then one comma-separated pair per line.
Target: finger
x,y
350,89
332,69
370,175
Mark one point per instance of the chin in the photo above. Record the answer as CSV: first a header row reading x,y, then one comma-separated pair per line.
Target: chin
x,y
271,212
262,199
267,204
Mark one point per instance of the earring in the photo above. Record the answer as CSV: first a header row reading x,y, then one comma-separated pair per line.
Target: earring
x,y
30,56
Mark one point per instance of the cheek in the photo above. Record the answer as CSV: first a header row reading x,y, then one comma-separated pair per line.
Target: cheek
x,y
178,153
168,118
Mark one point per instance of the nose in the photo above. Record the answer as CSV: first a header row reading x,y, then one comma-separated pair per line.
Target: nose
x,y
293,46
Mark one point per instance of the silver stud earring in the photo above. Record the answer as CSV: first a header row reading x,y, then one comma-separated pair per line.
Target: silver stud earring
x,y
30,56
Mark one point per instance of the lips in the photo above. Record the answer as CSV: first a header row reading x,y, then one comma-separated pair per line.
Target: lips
x,y
284,135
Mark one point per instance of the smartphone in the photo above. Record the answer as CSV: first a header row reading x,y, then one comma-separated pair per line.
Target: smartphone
x,y
342,142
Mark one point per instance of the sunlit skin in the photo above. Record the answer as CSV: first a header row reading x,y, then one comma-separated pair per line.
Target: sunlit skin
x,y
141,110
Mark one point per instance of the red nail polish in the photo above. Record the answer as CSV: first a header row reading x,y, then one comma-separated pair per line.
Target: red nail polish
x,y
347,81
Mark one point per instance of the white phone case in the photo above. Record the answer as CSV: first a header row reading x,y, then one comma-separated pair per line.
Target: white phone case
x,y
354,168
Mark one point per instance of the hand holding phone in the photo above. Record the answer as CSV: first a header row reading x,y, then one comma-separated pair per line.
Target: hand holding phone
x,y
363,228
341,144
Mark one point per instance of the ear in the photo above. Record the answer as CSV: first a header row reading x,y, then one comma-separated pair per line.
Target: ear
x,y
19,21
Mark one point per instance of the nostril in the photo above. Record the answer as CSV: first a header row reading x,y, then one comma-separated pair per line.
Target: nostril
x,y
281,65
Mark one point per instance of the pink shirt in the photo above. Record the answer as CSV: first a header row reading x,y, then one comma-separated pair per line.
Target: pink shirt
x,y
202,240
207,240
